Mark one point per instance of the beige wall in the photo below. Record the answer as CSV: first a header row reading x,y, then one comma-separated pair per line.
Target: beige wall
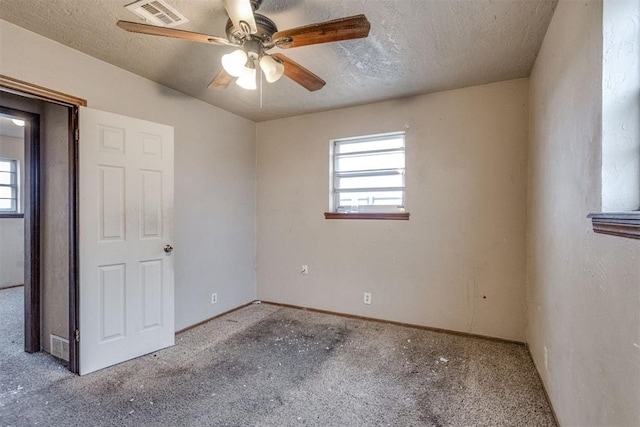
x,y
12,229
11,252
466,192
214,166
583,288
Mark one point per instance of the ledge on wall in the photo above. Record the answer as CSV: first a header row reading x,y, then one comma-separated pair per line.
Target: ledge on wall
x,y
392,216
622,224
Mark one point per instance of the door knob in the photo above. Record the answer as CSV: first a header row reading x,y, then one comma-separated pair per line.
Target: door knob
x,y
168,249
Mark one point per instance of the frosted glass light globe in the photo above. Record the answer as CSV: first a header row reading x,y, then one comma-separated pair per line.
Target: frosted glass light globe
x,y
271,68
233,63
247,79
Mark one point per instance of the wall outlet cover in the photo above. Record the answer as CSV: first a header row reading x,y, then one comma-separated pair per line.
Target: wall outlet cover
x,y
367,297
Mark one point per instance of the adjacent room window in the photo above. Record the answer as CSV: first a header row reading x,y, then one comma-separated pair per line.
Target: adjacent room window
x,y
368,174
8,185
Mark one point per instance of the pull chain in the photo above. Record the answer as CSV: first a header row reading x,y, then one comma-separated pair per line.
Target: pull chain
x,y
260,73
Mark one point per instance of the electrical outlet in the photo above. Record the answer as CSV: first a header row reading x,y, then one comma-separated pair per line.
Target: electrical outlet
x,y
305,269
214,298
367,297
546,358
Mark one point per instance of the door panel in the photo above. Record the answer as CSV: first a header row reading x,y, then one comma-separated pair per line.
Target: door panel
x,y
151,281
151,205
111,196
126,208
112,302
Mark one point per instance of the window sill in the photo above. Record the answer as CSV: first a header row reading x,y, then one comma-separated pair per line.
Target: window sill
x,y
621,224
11,215
370,215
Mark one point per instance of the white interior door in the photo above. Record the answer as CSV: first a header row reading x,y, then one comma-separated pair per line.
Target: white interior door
x,y
126,220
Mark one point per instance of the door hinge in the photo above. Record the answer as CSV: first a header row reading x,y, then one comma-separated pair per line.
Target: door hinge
x,y
77,335
77,134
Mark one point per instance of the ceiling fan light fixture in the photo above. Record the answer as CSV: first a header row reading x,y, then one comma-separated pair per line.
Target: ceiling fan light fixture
x,y
272,68
234,62
253,34
247,79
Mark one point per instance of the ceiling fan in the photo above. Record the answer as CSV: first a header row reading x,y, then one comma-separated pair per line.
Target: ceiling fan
x,y
253,35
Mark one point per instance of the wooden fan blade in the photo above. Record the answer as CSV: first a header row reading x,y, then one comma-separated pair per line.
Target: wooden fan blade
x,y
353,27
241,11
299,74
222,80
153,30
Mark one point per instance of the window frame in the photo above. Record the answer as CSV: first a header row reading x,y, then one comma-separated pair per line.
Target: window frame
x,y
621,224
14,185
338,211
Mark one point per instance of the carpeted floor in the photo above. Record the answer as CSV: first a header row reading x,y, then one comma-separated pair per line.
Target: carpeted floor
x,y
269,366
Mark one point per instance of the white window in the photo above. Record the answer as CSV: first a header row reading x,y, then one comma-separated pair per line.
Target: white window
x,y
8,186
368,174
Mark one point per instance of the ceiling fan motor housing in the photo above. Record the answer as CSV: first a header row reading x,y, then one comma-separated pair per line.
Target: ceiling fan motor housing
x,y
253,48
266,29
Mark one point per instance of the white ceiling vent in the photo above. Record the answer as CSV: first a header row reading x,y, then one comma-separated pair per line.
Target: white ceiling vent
x,y
157,12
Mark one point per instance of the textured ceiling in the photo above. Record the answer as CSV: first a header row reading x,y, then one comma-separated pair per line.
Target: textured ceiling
x,y
414,47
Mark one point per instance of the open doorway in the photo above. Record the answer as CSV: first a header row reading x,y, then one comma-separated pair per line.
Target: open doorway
x,y
49,186
20,218
12,178
59,118
13,172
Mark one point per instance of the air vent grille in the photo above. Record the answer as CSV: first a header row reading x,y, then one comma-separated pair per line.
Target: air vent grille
x,y
59,347
157,12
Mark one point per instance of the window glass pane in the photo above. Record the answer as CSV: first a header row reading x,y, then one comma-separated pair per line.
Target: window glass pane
x,y
6,193
370,162
6,204
6,166
373,172
370,181
6,178
371,198
383,144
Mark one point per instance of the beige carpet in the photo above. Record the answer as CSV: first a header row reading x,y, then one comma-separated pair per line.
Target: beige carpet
x,y
270,366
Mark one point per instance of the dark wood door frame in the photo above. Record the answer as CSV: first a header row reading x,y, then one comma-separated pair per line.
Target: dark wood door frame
x,y
32,322
31,227
74,230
